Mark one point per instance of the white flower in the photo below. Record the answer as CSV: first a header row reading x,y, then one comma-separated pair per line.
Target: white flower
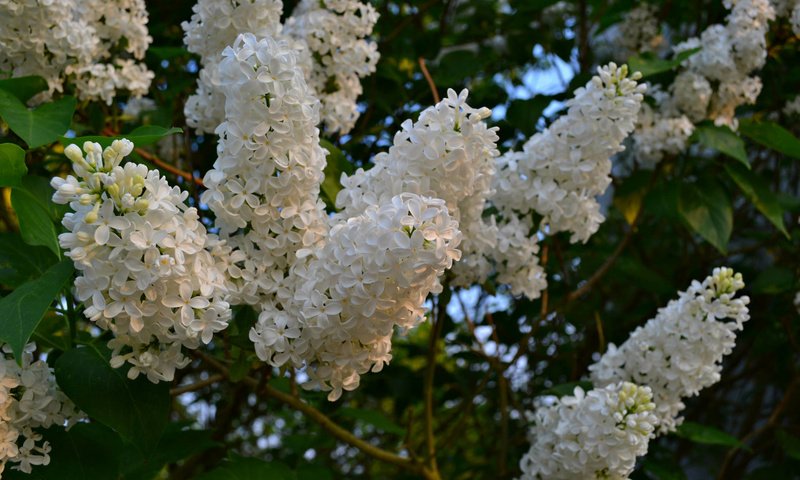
x,y
679,352
590,435
29,400
149,271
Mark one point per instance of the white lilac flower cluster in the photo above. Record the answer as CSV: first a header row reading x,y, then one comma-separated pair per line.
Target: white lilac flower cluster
x,y
716,80
328,298
639,386
336,54
329,36
448,153
149,272
640,30
29,401
71,41
679,352
558,175
591,435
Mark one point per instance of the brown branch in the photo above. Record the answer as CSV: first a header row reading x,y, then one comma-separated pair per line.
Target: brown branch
x,y
326,423
158,162
428,77
436,332
196,386
772,421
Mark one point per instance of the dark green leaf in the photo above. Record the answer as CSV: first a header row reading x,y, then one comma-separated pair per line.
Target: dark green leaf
x,y
240,468
707,210
724,140
167,53
141,136
12,165
176,444
789,443
19,262
24,308
454,68
771,135
313,472
38,126
757,190
335,166
706,435
53,332
374,418
136,409
649,64
24,87
524,114
568,388
87,451
35,223
773,280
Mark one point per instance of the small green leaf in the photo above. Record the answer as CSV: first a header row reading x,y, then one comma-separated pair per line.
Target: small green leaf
x,y
722,139
706,435
707,210
24,308
564,389
789,443
20,262
141,136
240,468
35,222
12,165
757,190
38,126
336,165
24,87
167,53
136,409
649,64
773,280
523,114
771,135
313,472
374,418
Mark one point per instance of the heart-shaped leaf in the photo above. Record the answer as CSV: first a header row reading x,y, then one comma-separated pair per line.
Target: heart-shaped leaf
x,y
12,165
38,126
24,308
136,409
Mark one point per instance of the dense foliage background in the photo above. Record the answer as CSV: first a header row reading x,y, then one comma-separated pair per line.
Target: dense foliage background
x,y
485,354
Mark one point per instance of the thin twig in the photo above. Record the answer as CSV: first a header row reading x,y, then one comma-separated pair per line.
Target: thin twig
x,y
326,423
158,162
196,386
428,77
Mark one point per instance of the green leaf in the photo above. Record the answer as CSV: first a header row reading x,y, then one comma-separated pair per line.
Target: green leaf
x,y
523,114
771,135
706,208
564,389
176,444
87,451
144,135
136,409
706,435
38,126
240,468
167,53
19,262
455,67
757,190
789,443
24,87
773,280
313,472
24,308
35,222
12,165
649,64
374,418
336,164
722,139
